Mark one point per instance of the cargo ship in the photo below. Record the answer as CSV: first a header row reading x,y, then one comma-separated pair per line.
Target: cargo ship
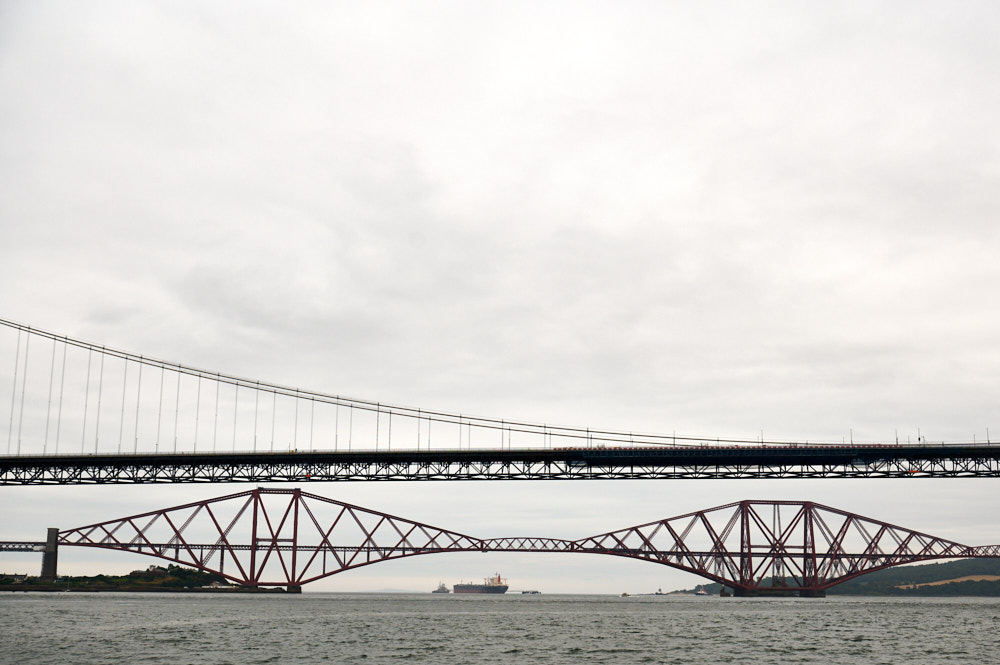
x,y
495,584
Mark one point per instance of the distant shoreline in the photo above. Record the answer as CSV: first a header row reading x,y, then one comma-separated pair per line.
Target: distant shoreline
x,y
155,579
57,588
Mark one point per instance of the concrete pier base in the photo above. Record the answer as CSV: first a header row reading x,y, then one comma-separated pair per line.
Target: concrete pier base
x,y
779,592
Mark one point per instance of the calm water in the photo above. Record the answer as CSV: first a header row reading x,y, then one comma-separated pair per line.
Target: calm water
x,y
340,628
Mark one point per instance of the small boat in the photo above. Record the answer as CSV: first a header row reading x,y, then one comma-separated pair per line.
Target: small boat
x,y
700,592
441,588
530,592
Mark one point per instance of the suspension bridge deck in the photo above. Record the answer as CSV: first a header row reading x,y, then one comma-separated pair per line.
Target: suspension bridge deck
x,y
692,462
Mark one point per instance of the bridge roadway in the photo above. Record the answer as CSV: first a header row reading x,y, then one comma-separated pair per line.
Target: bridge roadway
x,y
693,462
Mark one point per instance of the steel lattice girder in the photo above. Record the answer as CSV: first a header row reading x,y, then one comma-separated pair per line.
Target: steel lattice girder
x,y
21,546
289,537
289,534
772,545
126,473
562,464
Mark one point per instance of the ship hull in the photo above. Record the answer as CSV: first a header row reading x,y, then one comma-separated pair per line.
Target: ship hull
x,y
481,588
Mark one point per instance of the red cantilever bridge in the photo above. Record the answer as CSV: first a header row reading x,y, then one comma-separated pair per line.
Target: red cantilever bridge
x,y
279,537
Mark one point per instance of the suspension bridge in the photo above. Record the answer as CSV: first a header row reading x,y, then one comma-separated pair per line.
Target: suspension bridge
x,y
287,537
80,413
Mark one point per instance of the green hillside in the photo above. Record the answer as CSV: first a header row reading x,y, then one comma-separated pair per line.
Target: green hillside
x,y
888,582
154,578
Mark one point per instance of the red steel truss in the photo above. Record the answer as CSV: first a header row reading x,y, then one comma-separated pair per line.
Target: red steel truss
x,y
777,547
277,537
270,537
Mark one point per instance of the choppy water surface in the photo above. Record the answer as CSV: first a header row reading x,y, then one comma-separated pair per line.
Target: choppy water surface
x,y
340,628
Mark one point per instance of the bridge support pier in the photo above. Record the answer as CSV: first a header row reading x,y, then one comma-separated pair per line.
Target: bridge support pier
x,y
758,593
50,556
812,593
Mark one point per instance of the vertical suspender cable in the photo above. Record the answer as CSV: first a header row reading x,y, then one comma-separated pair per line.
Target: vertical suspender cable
x,y
274,415
100,395
13,390
177,407
62,385
336,428
256,407
390,431
197,415
378,419
295,432
86,402
121,424
312,421
48,410
159,409
350,429
24,381
236,410
215,431
138,399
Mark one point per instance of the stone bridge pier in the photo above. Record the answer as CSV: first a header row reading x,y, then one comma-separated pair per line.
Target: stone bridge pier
x,y
50,556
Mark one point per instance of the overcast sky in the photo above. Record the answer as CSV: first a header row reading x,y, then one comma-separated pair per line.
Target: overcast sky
x,y
718,219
